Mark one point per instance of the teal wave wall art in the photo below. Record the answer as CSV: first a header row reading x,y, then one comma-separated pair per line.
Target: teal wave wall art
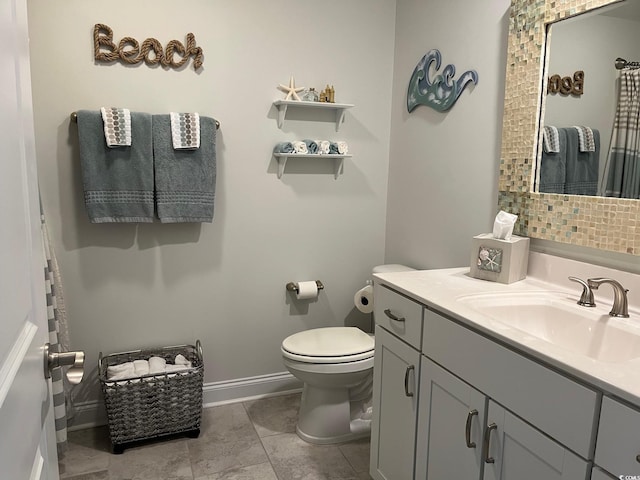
x,y
441,92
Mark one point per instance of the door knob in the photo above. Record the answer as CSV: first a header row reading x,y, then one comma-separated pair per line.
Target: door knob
x,y
75,360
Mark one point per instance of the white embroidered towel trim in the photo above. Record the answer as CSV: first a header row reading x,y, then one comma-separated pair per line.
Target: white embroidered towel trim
x,y
551,139
185,131
117,126
585,139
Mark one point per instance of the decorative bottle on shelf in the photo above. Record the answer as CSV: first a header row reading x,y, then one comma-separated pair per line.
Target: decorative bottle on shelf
x,y
311,95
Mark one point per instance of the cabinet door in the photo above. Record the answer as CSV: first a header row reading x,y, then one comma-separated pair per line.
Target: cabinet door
x,y
517,451
451,418
618,445
395,408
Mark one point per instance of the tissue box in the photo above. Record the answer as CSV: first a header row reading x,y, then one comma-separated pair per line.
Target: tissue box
x,y
503,261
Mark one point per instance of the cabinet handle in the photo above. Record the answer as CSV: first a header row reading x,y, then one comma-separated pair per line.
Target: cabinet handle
x,y
487,437
388,313
406,380
467,428
638,458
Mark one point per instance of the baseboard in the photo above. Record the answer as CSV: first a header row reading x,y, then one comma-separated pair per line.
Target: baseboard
x,y
251,388
93,414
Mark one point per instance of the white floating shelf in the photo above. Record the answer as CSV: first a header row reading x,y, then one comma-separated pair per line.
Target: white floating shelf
x,y
340,108
338,164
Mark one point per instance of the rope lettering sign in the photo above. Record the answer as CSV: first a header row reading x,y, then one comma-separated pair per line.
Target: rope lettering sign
x,y
151,52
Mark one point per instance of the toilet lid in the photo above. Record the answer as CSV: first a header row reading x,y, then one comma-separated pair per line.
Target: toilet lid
x,y
329,342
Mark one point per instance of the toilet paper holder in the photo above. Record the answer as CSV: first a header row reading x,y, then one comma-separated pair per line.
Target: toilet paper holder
x,y
293,287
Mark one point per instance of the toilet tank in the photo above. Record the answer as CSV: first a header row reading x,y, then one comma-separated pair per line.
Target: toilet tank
x,y
392,267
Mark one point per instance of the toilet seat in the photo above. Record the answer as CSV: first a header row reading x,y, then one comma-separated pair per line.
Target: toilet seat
x,y
329,345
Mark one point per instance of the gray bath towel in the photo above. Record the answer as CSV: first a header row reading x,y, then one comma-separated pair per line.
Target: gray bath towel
x,y
582,167
185,179
118,182
553,165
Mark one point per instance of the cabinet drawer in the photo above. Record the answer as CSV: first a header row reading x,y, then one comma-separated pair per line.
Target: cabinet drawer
x,y
618,444
555,404
398,315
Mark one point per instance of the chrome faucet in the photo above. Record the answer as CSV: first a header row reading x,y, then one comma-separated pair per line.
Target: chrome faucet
x,y
586,299
620,308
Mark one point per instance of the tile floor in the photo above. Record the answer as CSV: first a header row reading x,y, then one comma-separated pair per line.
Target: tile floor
x,y
253,440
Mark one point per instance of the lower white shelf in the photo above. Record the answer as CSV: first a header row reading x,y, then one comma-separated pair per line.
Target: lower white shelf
x,y
338,164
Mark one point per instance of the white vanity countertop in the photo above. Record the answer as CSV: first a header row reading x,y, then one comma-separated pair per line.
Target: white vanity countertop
x,y
441,289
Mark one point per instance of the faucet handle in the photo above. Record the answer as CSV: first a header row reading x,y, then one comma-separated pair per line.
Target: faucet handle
x,y
586,299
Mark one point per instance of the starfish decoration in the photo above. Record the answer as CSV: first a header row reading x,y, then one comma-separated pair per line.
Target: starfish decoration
x,y
291,90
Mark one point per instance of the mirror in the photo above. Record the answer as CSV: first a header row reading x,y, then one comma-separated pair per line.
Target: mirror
x,y
582,51
588,221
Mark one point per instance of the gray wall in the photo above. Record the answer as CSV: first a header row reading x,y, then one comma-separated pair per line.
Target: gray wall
x,y
444,166
129,286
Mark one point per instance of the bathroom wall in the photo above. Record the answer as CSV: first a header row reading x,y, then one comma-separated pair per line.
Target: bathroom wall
x,y
444,166
129,286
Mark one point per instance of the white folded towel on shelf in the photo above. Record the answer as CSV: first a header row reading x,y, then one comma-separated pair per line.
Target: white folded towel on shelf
x,y
117,126
343,148
157,365
299,147
323,147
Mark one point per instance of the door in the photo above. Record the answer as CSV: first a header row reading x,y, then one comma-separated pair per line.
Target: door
x,y
451,418
27,436
517,451
395,408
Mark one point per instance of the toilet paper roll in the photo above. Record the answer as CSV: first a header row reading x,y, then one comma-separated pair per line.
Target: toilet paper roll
x,y
307,290
363,299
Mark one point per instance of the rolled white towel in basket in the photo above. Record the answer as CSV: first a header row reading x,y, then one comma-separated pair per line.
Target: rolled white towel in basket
x,y
157,365
141,367
182,360
153,366
121,371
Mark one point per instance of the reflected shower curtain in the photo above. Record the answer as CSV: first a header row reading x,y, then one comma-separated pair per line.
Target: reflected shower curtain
x,y
58,335
622,173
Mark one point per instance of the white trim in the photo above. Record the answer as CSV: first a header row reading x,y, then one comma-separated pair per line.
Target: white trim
x,y
92,414
250,388
13,361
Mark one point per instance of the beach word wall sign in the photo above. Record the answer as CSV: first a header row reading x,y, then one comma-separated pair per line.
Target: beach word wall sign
x,y
566,85
441,92
129,50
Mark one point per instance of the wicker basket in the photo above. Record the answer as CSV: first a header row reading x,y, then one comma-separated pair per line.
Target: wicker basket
x,y
153,405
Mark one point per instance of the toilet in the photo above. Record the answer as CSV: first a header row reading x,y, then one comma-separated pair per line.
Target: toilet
x,y
336,366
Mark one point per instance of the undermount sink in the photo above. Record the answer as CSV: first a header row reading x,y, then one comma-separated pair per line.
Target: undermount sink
x,y
558,320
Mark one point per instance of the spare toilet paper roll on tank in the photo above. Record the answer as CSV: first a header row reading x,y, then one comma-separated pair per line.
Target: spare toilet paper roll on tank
x,y
363,299
307,290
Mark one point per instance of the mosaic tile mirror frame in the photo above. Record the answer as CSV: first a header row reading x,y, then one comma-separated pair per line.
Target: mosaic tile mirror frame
x,y
596,222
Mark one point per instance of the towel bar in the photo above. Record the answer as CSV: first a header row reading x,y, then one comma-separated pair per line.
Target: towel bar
x,y
292,287
74,119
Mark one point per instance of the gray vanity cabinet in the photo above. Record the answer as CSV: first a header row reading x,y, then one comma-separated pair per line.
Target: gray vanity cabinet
x,y
395,407
396,375
454,403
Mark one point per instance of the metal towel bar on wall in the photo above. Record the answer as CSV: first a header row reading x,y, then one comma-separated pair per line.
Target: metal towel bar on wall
x,y
74,119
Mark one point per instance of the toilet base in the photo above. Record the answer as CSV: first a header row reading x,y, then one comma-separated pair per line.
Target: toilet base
x,y
327,416
347,437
